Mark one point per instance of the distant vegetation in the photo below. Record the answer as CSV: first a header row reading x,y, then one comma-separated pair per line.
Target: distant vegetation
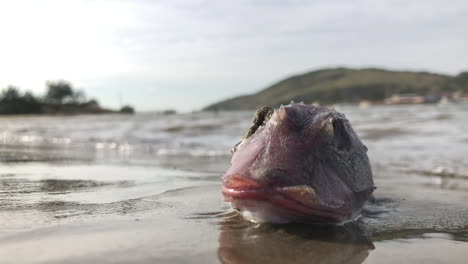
x,y
60,98
127,110
338,85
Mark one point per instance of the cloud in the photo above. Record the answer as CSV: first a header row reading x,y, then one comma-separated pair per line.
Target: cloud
x,y
199,45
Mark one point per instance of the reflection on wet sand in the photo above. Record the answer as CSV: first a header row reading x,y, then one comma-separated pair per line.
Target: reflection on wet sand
x,y
244,242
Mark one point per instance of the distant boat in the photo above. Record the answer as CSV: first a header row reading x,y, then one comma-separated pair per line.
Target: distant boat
x,y
444,100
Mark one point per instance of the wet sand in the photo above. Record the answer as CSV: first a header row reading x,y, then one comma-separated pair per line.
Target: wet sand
x,y
194,225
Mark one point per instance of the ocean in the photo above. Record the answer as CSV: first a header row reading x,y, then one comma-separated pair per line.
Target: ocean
x,y
145,188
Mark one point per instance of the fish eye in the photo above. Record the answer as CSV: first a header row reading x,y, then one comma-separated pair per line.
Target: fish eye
x,y
262,115
340,133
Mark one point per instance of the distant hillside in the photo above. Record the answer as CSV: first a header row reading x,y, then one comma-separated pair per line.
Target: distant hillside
x,y
346,85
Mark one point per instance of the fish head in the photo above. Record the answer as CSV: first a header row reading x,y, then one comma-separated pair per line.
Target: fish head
x,y
299,163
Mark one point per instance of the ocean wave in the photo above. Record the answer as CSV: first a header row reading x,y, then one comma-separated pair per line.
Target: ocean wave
x,y
444,172
193,152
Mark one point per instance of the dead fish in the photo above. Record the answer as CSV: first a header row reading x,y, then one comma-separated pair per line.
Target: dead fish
x,y
299,163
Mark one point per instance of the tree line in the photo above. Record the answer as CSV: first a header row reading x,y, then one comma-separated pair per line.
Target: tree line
x,y
60,98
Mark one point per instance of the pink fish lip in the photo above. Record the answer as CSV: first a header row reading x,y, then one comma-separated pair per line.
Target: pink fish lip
x,y
295,199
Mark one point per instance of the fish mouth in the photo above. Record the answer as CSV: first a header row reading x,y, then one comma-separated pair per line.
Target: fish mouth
x,y
297,203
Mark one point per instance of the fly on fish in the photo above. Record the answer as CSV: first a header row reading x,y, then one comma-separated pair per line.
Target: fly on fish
x,y
299,163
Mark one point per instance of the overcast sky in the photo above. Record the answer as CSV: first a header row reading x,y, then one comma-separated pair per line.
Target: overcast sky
x,y
186,54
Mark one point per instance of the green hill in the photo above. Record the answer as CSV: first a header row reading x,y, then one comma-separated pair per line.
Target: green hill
x,y
346,85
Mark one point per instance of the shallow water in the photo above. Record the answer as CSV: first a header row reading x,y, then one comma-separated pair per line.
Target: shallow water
x,y
145,188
